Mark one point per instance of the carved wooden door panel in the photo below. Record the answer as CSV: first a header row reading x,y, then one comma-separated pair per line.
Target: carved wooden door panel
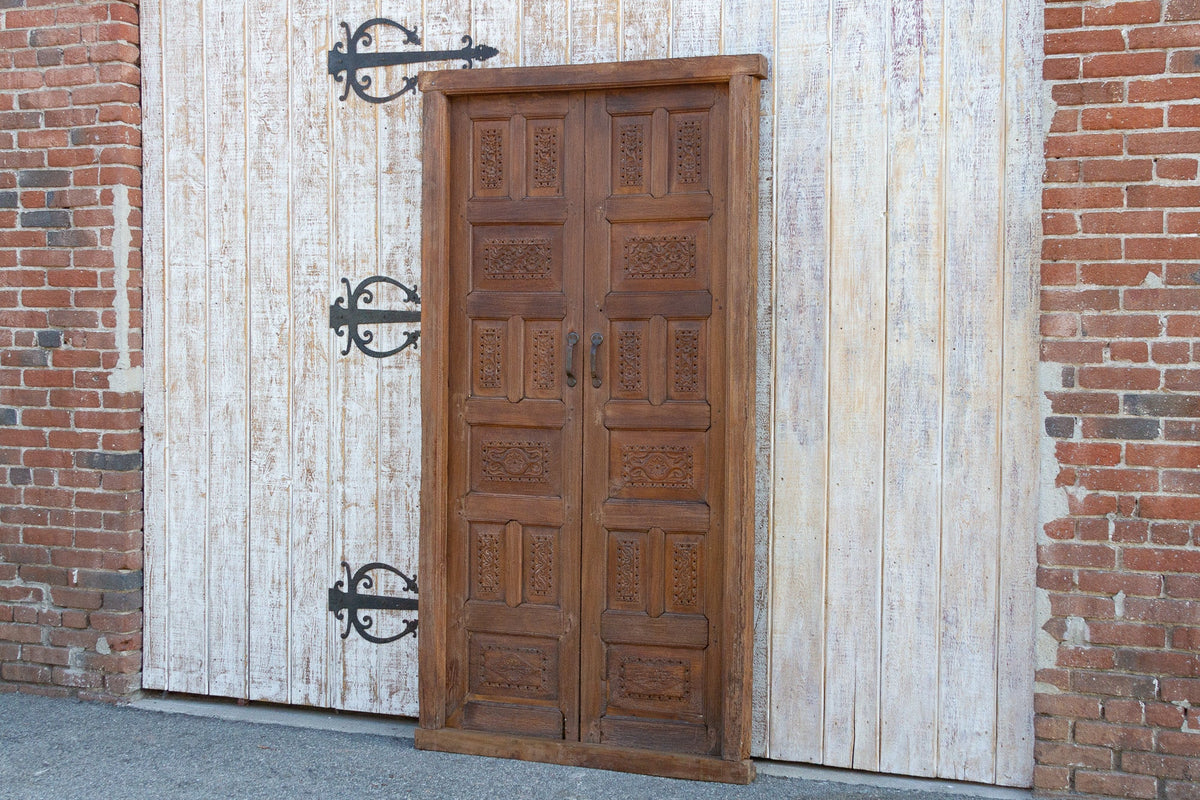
x,y
514,459
588,408
654,423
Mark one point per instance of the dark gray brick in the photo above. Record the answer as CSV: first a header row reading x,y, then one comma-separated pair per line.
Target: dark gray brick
x,y
43,178
1162,405
117,462
1060,427
8,416
20,476
49,338
46,219
1124,428
122,601
30,358
109,580
71,238
1068,377
8,199
50,57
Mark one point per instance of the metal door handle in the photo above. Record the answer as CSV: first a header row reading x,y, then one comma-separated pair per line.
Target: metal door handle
x,y
596,340
572,340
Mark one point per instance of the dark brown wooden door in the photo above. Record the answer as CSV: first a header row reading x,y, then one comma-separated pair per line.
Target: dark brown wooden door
x,y
588,487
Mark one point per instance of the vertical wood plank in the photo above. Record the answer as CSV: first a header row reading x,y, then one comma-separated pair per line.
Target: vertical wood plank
x,y
802,140
156,532
595,31
857,331
498,23
645,29
1019,464
545,32
971,430
312,562
270,341
355,178
229,362
186,295
696,28
400,418
753,31
909,676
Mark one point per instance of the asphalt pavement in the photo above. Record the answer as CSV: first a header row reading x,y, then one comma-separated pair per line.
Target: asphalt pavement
x,y
59,749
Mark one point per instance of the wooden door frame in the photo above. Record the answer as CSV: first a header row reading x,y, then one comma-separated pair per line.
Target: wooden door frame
x,y
742,75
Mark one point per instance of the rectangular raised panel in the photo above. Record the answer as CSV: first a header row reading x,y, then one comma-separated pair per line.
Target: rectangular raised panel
x,y
657,681
491,158
660,257
516,461
544,159
630,147
657,465
517,258
513,667
689,160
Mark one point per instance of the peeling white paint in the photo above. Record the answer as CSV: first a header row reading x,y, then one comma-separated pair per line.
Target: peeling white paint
x,y
1119,603
1077,631
102,646
125,378
1052,505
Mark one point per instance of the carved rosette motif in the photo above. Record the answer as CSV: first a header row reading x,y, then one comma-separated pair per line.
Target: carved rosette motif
x,y
516,462
689,144
527,258
685,573
544,361
671,256
687,361
630,147
491,358
629,570
541,566
545,157
487,564
629,362
662,680
491,159
657,467
521,669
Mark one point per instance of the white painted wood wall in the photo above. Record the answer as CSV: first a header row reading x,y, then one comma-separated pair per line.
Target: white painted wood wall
x,y
900,189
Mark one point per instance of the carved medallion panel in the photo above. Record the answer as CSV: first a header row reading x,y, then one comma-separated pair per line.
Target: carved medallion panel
x,y
667,682
544,157
686,374
689,152
656,465
627,571
516,258
513,666
663,257
523,461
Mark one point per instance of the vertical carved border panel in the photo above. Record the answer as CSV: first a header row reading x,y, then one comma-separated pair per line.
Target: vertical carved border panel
x,y
491,161
689,166
684,574
629,356
543,360
541,565
627,565
487,562
544,162
488,358
686,361
631,155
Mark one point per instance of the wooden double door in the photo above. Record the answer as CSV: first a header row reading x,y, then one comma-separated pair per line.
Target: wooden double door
x,y
587,501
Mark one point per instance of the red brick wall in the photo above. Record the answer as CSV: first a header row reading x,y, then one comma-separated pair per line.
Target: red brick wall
x,y
70,350
1119,710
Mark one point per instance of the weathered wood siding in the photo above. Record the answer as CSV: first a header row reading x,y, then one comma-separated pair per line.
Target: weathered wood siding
x,y
899,224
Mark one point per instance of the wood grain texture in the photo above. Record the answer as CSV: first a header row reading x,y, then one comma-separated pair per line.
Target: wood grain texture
x,y
1023,128
801,438
696,28
356,385
972,369
545,32
186,386
857,331
270,332
595,31
912,483
645,29
154,332
313,564
754,32
228,366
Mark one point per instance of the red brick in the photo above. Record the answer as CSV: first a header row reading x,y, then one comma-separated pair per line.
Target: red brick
x,y
1120,64
1164,36
1085,144
1130,13
1116,170
1116,784
1084,42
1063,17
1097,197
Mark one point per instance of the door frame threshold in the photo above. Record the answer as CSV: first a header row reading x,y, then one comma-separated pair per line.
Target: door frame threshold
x,y
582,754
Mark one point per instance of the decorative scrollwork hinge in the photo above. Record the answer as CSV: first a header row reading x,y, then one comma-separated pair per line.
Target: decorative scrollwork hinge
x,y
351,600
345,59
346,318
